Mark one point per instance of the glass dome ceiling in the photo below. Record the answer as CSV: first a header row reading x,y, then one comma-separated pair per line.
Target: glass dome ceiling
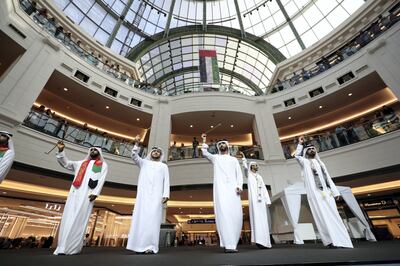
x,y
288,25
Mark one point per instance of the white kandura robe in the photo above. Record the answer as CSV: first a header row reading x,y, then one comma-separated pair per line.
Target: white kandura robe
x,y
7,160
78,207
227,205
258,201
322,203
153,186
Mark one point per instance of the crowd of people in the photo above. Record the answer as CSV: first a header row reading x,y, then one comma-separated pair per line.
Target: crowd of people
x,y
382,121
180,152
49,23
45,120
326,62
29,242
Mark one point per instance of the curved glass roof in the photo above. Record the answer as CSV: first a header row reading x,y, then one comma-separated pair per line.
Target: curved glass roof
x,y
289,25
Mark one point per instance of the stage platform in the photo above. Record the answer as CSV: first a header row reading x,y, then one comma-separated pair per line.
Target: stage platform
x,y
364,253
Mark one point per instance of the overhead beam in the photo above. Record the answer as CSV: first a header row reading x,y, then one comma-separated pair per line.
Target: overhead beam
x,y
231,73
149,43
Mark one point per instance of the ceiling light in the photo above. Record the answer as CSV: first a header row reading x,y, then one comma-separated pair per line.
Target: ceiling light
x,y
350,94
211,126
320,107
107,107
112,205
4,192
231,125
191,125
65,89
289,117
138,119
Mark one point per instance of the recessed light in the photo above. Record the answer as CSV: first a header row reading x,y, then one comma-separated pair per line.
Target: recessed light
x,y
65,89
231,125
4,192
107,107
320,107
112,205
138,119
181,212
191,125
289,117
211,126
350,94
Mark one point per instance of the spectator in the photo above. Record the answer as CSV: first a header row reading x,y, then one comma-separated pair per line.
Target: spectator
x,y
341,135
30,7
195,145
182,151
174,151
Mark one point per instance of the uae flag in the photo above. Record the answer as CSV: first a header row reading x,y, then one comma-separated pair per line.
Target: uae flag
x,y
209,72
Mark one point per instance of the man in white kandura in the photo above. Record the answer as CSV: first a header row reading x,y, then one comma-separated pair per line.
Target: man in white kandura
x,y
90,174
7,154
321,194
258,201
152,193
227,186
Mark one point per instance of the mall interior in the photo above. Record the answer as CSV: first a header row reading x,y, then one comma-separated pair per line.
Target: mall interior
x,y
100,72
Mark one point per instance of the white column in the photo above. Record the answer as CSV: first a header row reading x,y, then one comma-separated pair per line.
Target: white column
x,y
267,132
161,127
24,82
384,57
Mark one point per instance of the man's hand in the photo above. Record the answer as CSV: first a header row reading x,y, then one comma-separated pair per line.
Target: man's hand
x,y
164,200
242,154
137,140
238,191
92,197
60,145
301,140
204,137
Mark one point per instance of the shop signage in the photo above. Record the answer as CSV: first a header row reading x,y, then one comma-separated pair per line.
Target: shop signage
x,y
201,221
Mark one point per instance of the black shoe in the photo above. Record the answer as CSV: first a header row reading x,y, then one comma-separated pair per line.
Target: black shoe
x,y
261,246
149,252
231,251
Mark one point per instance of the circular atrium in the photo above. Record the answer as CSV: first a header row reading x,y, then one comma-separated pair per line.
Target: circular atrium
x,y
201,132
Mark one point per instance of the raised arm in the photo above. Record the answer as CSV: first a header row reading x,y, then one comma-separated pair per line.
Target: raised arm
x,y
299,151
62,158
204,149
135,152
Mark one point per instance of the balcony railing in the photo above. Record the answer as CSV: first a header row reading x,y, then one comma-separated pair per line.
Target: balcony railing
x,y
186,152
57,127
346,136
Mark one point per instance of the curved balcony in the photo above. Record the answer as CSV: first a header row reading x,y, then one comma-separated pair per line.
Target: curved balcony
x,y
359,130
54,126
335,57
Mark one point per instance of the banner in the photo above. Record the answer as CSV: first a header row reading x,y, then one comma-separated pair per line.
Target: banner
x,y
209,71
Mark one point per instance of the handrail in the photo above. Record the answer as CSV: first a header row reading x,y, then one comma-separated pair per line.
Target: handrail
x,y
386,121
54,126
